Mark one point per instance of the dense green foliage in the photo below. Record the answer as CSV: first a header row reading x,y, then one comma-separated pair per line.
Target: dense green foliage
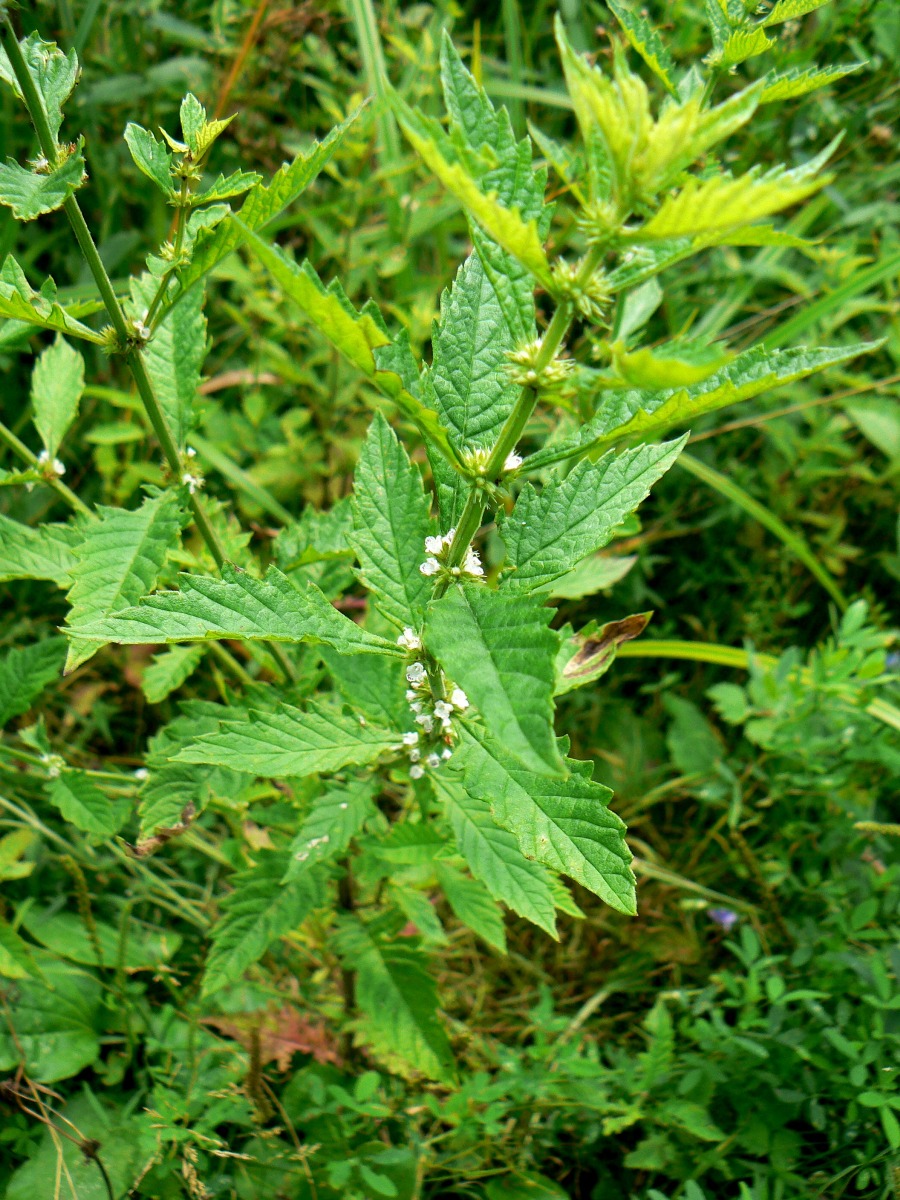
x,y
328,679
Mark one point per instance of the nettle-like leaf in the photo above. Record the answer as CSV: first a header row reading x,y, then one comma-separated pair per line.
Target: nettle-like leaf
x,y
740,45
798,82
549,531
174,355
648,43
472,904
117,562
373,684
391,521
264,203
83,805
564,823
500,650
790,10
57,382
150,157
361,336
292,742
20,302
16,959
334,819
261,908
30,193
639,414
169,670
54,72
46,552
237,606
396,997
24,673
493,855
467,383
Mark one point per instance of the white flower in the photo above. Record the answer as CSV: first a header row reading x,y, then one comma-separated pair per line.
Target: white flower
x,y
415,673
410,739
442,710
446,752
472,564
433,760
416,771
415,755
426,721
434,545
191,482
513,462
56,466
141,773
142,330
459,699
191,452
430,566
409,639
410,695
449,536
343,804
416,706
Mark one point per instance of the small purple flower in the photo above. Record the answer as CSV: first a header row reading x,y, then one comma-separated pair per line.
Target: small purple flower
x,y
726,917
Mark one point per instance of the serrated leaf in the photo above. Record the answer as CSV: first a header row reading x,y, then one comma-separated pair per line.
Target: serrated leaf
x,y
20,302
564,823
647,414
790,10
237,606
225,186
492,855
649,45
499,649
42,553
740,45
361,336
261,908
30,193
54,72
54,1023
57,382
150,156
410,845
588,654
169,670
397,1000
118,562
372,683
467,383
391,521
472,904
174,355
292,742
417,907
334,819
672,364
798,82
596,573
24,673
264,203
16,959
83,805
549,531
518,235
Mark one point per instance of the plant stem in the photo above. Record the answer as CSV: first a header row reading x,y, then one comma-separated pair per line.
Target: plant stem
x,y
35,105
65,493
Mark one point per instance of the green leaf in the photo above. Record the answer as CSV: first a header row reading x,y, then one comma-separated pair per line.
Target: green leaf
x,y
467,383
797,82
54,72
672,364
151,157
42,553
740,45
83,805
54,1023
372,683
24,673
169,670
524,1185
649,45
57,382
563,823
647,414
549,531
596,573
174,355
261,908
334,819
20,302
361,336
30,193
472,904
416,906
391,521
492,855
588,654
264,203
790,10
397,1000
66,935
226,186
118,562
500,651
237,606
292,742
16,960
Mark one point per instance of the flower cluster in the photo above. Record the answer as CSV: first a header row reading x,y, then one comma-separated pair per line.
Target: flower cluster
x,y
50,468
476,460
437,548
591,297
429,745
524,367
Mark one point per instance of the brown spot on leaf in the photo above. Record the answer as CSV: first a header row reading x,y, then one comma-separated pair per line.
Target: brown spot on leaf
x,y
597,652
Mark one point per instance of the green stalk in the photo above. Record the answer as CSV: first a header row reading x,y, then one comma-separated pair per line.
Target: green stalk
x,y
72,209
65,493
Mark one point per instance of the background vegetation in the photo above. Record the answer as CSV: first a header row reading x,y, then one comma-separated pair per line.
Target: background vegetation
x,y
739,1038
